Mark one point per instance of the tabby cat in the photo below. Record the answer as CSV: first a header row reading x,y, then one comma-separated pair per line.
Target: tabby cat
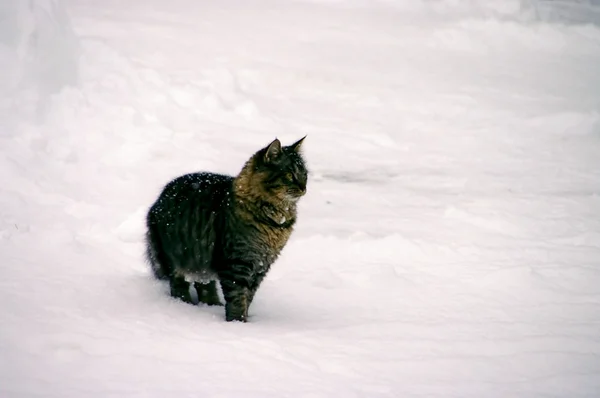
x,y
207,227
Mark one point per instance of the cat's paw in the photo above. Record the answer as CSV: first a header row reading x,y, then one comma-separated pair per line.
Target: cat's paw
x,y
236,312
234,318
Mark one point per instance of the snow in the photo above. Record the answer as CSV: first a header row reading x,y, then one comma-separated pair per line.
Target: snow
x,y
449,242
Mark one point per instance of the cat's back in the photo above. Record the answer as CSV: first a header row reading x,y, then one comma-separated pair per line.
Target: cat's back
x,y
197,187
191,193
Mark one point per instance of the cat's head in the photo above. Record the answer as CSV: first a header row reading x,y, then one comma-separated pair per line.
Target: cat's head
x,y
281,171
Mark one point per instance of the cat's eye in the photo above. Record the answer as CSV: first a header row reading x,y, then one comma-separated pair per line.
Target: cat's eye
x,y
289,176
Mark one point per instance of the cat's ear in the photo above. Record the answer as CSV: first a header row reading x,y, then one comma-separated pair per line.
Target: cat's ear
x,y
273,151
297,146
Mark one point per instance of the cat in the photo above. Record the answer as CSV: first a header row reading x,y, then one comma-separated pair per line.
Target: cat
x,y
206,227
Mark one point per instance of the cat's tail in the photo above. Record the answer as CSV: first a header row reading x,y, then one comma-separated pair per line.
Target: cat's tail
x,y
154,255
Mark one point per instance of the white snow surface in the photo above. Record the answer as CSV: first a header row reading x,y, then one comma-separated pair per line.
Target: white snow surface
x,y
449,243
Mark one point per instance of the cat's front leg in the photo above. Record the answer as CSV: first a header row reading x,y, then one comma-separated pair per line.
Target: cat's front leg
x,y
236,302
236,289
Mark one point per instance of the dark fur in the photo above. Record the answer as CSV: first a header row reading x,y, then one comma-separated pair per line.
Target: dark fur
x,y
206,227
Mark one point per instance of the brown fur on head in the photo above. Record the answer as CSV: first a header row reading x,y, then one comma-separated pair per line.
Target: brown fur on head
x,y
275,175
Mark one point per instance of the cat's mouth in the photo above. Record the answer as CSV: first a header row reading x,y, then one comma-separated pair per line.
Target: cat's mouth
x,y
295,194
